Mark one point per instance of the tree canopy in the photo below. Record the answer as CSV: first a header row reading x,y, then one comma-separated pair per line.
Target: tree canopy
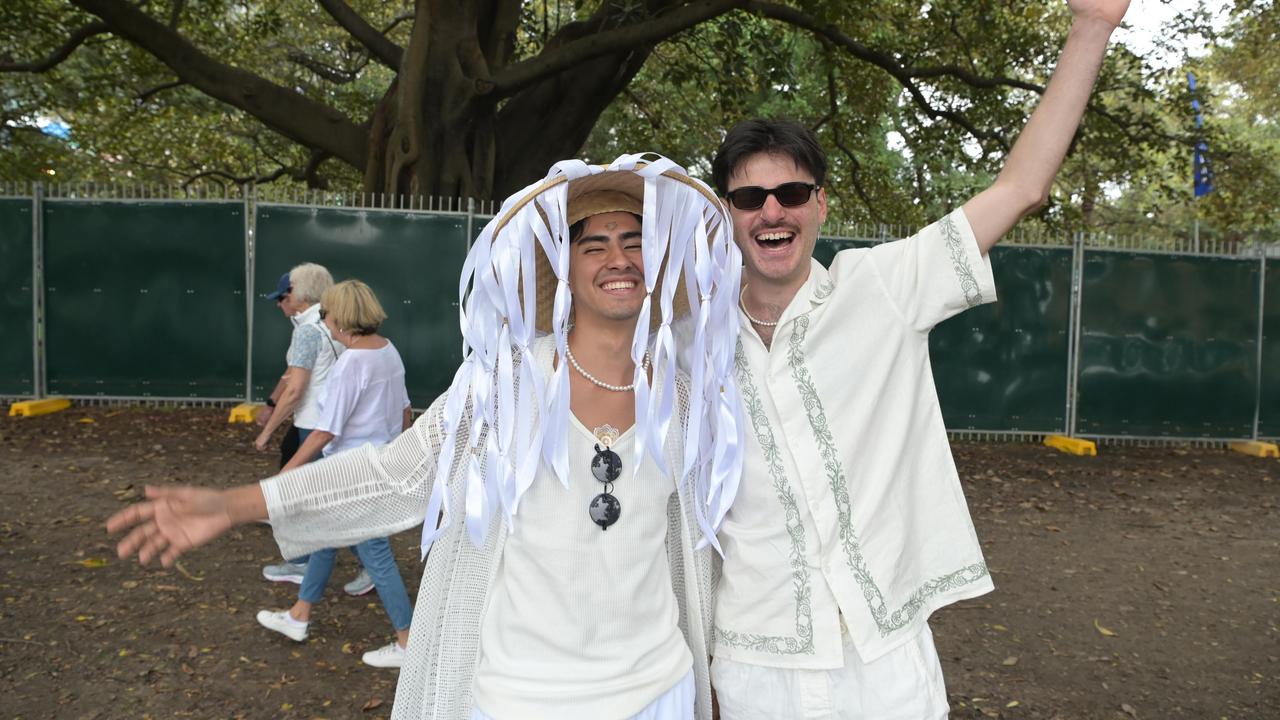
x,y
916,101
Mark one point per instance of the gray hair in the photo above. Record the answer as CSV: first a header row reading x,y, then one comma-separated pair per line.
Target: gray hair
x,y
309,282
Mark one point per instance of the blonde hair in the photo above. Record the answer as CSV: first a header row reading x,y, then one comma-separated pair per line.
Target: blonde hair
x,y
309,282
353,307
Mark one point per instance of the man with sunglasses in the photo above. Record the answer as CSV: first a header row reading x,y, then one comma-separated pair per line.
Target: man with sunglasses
x,y
850,527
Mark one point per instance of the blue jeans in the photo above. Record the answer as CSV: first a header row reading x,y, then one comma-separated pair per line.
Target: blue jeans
x,y
378,560
302,437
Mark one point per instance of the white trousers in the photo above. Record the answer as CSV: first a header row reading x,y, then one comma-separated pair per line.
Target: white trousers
x,y
906,684
674,704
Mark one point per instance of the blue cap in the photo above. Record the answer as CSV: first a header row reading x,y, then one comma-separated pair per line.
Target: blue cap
x,y
282,288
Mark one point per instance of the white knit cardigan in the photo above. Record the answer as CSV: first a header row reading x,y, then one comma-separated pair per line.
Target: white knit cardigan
x,y
375,492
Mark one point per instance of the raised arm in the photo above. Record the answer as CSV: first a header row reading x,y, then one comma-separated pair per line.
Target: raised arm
x,y
1024,182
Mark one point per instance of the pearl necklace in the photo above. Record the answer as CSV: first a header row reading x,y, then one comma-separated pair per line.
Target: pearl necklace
x,y
644,363
743,305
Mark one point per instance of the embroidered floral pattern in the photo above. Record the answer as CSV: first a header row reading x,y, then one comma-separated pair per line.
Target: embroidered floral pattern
x,y
824,290
960,262
802,642
886,621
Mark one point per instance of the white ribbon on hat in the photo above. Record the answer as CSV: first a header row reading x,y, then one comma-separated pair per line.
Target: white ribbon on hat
x,y
520,420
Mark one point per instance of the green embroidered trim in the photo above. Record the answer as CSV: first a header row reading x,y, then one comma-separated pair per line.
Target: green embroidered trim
x,y
886,621
960,262
802,643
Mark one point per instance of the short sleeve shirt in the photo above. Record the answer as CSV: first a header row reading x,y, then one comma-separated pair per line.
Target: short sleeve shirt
x,y
312,349
850,507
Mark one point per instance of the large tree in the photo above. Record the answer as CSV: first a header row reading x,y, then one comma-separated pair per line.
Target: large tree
x,y
916,100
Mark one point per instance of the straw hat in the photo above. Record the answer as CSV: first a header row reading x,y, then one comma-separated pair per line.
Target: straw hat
x,y
521,258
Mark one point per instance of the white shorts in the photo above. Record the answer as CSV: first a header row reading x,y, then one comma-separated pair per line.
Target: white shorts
x,y
674,704
906,684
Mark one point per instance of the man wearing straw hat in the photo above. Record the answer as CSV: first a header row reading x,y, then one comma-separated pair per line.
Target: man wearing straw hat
x,y
850,527
579,478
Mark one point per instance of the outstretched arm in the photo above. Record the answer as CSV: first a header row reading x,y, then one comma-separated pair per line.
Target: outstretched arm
x,y
353,496
1024,182
174,520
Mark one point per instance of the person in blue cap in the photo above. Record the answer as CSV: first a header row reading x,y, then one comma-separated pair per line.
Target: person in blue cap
x,y
312,351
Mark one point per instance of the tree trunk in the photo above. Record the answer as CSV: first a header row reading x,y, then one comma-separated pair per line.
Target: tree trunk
x,y
441,131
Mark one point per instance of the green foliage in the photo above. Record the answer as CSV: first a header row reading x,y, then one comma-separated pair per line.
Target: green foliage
x,y
894,157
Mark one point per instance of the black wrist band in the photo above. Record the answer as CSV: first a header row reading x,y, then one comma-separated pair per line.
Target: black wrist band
x,y
271,402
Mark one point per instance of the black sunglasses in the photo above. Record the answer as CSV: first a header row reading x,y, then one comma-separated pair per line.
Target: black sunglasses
x,y
605,508
790,194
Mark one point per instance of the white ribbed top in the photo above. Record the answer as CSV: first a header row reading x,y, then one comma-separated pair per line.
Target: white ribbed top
x,y
582,622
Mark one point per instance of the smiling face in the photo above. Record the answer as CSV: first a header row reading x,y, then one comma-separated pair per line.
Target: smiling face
x,y
606,269
776,241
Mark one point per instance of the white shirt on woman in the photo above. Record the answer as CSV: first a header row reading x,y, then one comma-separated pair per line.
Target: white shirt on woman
x,y
364,399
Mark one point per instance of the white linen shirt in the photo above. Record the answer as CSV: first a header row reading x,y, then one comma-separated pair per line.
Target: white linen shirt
x,y
850,503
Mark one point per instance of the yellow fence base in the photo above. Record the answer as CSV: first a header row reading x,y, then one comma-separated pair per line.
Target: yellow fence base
x,y
1075,446
245,412
31,408
1256,448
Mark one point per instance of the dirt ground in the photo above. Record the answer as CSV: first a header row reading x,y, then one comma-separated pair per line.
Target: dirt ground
x,y
1143,583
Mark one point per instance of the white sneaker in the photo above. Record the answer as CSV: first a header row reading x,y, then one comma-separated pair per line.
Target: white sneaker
x,y
389,656
282,622
285,572
360,585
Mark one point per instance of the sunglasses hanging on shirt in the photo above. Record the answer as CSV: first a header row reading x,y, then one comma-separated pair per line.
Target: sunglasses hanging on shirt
x,y
792,194
606,466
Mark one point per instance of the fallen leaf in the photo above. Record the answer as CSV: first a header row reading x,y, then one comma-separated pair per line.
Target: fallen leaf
x,y
86,420
1104,631
373,703
1010,661
1129,709
346,648
1012,704
93,562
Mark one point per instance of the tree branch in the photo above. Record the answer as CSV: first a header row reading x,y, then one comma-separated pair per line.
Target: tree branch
x,y
620,39
335,75
855,167
146,94
301,119
62,53
904,75
386,52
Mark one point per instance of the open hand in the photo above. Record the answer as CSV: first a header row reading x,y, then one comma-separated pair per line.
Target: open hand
x,y
1110,11
170,522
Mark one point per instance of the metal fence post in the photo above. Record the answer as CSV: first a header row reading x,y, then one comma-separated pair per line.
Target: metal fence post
x,y
471,219
38,385
250,207
1262,305
1073,341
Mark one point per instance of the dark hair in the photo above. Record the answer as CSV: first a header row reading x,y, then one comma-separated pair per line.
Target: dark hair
x,y
575,230
751,137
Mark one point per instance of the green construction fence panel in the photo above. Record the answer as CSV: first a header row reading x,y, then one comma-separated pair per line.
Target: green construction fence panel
x,y
17,364
1168,346
411,260
145,299
1003,366
1269,400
